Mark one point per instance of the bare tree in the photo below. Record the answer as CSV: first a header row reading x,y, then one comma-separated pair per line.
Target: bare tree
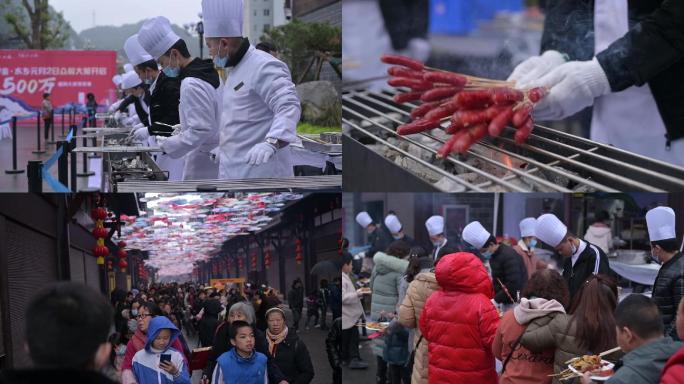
x,y
44,30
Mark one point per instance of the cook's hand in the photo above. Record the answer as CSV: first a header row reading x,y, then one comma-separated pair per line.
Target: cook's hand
x,y
585,379
176,129
140,134
169,367
260,153
535,67
573,86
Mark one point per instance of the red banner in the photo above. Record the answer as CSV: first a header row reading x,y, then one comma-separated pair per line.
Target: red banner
x,y
67,75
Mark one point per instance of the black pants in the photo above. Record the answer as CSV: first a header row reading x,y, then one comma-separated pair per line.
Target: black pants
x,y
324,312
350,344
48,124
337,375
381,375
399,374
405,20
297,315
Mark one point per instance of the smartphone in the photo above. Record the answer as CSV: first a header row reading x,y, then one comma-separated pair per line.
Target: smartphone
x,y
165,357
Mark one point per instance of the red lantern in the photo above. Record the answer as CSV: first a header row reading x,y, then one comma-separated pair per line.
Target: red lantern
x,y
99,232
109,266
254,261
98,213
267,259
100,251
122,254
122,244
123,264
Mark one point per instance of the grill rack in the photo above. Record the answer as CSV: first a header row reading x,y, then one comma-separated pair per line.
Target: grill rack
x,y
585,164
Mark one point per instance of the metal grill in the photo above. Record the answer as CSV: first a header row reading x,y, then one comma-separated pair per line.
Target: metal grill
x,y
377,159
331,183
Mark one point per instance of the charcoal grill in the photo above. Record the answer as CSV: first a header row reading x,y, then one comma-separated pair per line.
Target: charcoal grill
x,y
377,159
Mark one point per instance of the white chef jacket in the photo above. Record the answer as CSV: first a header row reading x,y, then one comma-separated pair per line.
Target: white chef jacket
x,y
259,102
199,117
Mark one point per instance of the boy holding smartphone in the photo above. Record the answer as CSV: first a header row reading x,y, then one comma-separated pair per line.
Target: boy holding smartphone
x,y
158,362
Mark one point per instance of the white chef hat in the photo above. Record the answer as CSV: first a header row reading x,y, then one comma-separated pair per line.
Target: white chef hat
x,y
364,219
550,229
156,36
435,225
392,223
130,80
475,234
527,226
135,52
222,18
117,80
128,67
661,223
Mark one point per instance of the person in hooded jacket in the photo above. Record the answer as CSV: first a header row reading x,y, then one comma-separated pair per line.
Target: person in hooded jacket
x,y
385,285
199,99
545,293
459,323
420,277
147,312
588,327
148,366
599,232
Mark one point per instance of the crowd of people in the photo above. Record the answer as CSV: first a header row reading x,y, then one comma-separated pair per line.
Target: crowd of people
x,y
147,335
483,311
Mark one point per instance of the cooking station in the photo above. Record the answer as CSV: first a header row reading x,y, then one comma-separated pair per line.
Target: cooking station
x,y
550,160
122,166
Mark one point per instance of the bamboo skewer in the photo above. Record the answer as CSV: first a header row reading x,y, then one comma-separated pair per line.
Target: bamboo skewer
x,y
604,353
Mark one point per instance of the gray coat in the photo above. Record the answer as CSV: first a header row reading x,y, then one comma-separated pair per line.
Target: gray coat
x,y
385,283
645,364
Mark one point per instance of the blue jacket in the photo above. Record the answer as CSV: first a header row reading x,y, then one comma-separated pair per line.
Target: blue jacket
x,y
231,368
146,361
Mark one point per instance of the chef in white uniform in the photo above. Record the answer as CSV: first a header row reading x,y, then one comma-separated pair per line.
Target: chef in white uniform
x,y
199,109
137,55
630,118
261,108
435,227
132,85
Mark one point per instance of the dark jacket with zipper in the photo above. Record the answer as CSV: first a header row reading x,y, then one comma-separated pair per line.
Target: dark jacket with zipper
x,y
668,290
652,52
508,267
164,102
583,269
292,357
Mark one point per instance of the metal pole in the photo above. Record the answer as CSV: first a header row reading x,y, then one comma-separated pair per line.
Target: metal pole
x,y
62,124
14,169
73,163
85,172
52,128
38,151
63,163
35,177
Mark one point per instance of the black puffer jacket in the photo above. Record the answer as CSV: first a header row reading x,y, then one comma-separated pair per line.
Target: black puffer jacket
x,y
332,343
292,357
651,52
508,267
668,291
207,326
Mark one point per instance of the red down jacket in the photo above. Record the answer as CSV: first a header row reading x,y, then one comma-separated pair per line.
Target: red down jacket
x,y
459,322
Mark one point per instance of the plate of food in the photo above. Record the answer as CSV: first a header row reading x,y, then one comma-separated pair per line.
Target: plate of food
x,y
376,326
600,370
365,290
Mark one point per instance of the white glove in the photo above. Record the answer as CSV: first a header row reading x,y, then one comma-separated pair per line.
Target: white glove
x,y
140,134
260,153
573,87
176,129
535,67
160,142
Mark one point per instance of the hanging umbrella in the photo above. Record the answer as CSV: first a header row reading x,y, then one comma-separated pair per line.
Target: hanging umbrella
x,y
325,268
